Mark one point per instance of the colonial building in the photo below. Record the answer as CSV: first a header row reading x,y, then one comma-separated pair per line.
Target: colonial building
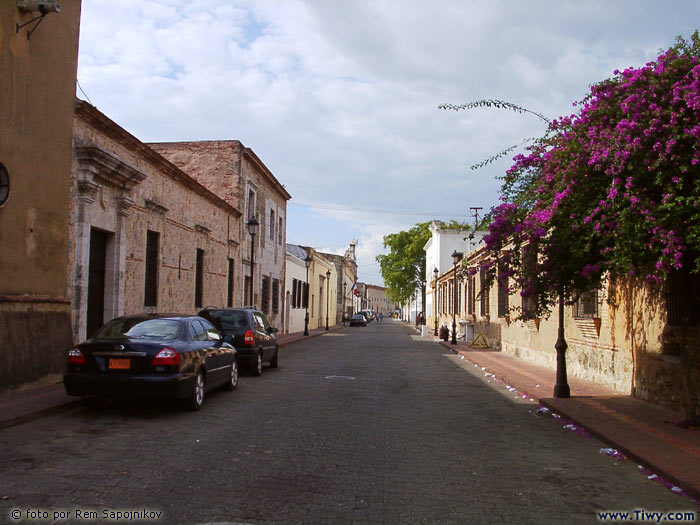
x,y
234,172
296,289
144,235
377,299
38,66
442,244
316,292
626,337
346,271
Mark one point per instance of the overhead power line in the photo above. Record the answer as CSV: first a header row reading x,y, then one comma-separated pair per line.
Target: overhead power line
x,y
377,210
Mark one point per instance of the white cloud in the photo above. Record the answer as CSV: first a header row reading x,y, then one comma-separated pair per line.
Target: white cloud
x,y
339,99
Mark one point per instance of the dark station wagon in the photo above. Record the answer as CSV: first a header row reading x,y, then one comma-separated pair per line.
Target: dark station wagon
x,y
152,355
250,332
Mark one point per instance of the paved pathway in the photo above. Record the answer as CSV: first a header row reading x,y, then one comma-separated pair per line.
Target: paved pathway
x,y
361,425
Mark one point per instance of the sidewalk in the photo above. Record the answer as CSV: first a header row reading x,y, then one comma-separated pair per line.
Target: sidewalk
x,y
641,431
27,405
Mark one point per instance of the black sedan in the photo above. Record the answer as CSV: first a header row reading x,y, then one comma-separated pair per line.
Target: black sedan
x,y
358,320
159,355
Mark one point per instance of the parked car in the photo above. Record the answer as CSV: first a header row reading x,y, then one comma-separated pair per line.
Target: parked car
x,y
250,332
358,320
152,355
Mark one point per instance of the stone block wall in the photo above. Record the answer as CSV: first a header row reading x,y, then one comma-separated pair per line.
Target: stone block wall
x,y
122,188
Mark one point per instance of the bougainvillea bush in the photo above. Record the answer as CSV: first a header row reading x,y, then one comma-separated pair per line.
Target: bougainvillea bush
x,y
612,190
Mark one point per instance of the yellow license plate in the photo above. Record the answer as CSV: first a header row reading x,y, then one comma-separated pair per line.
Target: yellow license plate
x,y
119,364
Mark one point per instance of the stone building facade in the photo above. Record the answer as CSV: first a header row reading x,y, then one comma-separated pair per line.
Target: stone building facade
x,y
624,336
37,89
346,274
377,299
144,235
233,171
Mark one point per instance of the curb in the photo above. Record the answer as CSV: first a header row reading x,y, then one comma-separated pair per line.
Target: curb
x,y
38,414
692,492
63,403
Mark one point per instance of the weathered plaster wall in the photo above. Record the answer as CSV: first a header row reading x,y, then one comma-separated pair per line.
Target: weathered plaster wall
x,y
160,198
37,89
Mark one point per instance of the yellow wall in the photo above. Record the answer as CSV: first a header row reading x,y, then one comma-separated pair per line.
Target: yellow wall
x,y
37,93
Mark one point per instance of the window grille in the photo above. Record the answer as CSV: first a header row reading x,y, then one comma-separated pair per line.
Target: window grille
x,y
502,293
682,304
229,287
199,279
587,305
275,296
265,295
151,280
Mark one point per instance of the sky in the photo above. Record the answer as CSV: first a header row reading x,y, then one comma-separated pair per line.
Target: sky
x,y
340,98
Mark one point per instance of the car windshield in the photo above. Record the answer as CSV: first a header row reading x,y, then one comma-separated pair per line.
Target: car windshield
x,y
139,329
229,320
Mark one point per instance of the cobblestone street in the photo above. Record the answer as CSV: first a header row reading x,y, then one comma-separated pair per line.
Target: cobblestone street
x,y
366,425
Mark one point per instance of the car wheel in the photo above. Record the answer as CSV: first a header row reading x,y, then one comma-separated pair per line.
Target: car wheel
x,y
257,367
233,379
197,397
273,361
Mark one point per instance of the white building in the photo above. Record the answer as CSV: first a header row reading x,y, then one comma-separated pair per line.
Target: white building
x,y
295,283
438,255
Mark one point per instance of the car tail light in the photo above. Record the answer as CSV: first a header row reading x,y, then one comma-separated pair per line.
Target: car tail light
x,y
249,338
76,357
166,357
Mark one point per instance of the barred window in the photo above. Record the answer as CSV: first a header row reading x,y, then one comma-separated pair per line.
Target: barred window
x,y
199,279
587,305
265,295
529,268
229,287
151,281
502,292
484,293
682,304
275,296
471,283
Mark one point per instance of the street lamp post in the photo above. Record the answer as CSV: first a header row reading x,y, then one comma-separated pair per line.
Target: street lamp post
x,y
456,256
252,226
328,294
435,295
561,388
307,263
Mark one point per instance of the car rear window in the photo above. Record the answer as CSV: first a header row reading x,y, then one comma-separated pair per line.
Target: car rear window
x,y
230,320
140,329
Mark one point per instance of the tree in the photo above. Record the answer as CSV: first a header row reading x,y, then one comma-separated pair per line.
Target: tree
x,y
611,192
403,269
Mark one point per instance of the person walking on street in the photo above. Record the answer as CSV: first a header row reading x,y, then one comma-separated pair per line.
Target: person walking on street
x,y
381,317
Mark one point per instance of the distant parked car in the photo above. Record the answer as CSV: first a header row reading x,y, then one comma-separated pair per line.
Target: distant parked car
x,y
358,320
367,314
250,332
152,355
